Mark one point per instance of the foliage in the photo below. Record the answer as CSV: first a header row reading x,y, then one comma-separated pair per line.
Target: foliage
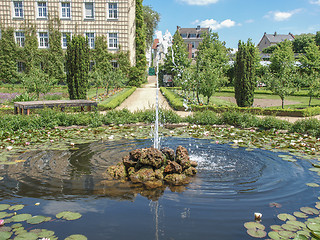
x,y
77,67
301,41
138,75
37,81
24,97
176,60
151,19
8,65
310,61
317,38
30,54
245,73
117,100
270,49
212,61
282,76
175,101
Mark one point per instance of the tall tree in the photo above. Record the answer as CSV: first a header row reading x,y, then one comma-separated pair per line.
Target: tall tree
x,y
151,19
138,73
30,52
245,82
212,59
8,64
77,63
282,76
177,58
317,38
301,41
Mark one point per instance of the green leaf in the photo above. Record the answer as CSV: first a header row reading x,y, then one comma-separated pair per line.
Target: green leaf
x,y
301,237
274,236
4,206
26,236
76,237
5,235
290,227
300,215
313,226
254,225
313,185
5,214
16,207
285,217
309,210
21,217
256,233
276,228
36,220
69,215
287,234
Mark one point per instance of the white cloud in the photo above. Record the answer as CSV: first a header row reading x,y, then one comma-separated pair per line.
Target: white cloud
x,y
317,2
199,2
281,16
215,25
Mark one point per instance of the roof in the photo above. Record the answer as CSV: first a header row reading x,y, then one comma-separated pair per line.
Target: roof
x,y
155,43
188,31
277,38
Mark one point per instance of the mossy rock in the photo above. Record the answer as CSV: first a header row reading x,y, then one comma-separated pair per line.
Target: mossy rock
x,y
177,179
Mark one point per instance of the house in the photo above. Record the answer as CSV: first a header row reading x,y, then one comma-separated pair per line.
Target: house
x,y
273,39
160,47
114,19
192,37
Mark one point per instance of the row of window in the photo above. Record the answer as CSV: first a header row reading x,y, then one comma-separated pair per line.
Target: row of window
x,y
191,35
43,39
65,10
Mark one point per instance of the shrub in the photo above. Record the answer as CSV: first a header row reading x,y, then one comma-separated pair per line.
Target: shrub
x,y
116,100
175,101
243,120
204,118
24,97
269,122
310,126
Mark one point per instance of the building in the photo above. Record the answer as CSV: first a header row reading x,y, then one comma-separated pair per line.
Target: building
x,y
273,39
114,19
160,47
192,37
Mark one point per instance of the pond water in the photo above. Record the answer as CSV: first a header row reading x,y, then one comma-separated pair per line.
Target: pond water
x,y
230,186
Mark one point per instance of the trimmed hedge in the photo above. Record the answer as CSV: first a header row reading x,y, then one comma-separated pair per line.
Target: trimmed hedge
x,y
116,100
176,102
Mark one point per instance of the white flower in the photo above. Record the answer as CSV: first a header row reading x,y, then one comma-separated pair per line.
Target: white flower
x,y
257,216
9,148
111,137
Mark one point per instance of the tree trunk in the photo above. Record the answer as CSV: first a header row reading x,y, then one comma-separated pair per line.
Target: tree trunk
x,y
282,102
97,94
310,101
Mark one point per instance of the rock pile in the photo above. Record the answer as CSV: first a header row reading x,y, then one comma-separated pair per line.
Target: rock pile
x,y
154,168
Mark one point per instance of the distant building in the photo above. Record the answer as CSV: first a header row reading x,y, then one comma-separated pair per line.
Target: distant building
x,y
273,39
160,46
192,37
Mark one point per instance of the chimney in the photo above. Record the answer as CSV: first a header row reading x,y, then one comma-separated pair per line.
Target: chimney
x,y
275,34
178,27
198,27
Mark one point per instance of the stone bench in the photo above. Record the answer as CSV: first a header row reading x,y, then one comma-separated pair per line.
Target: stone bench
x,y
24,107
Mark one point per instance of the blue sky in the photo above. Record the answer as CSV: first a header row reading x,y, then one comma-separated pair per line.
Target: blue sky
x,y
236,20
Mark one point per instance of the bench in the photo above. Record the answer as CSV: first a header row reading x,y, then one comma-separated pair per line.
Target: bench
x,y
24,107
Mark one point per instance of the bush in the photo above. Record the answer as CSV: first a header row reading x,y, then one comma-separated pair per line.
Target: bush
x,y
238,119
116,100
24,97
204,118
269,122
310,126
175,101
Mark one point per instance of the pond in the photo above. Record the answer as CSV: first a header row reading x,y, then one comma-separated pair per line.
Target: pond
x,y
231,185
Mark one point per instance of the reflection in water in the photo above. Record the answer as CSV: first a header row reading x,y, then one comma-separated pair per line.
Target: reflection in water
x,y
230,186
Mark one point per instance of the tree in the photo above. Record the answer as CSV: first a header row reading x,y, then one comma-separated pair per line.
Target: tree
x,y
138,73
8,64
282,75
177,60
30,53
77,63
151,19
246,64
301,41
310,65
212,59
317,38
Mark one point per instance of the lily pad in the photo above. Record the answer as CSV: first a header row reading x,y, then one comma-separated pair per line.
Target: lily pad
x,y
254,225
76,237
45,233
297,223
287,234
313,185
36,220
26,236
276,228
285,217
16,225
300,214
274,236
21,217
16,207
5,214
256,233
290,227
301,237
4,207
69,215
309,210
313,226
5,235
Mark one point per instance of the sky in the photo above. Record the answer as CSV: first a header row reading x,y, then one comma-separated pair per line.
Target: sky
x,y
236,20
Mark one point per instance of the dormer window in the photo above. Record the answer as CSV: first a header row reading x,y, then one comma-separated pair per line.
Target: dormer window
x,y
192,35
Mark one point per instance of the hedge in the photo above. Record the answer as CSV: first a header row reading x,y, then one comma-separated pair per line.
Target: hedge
x,y
116,100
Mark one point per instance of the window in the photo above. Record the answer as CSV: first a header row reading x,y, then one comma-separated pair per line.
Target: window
x,y
192,55
88,10
193,44
18,9
42,10
192,35
114,64
65,10
20,67
65,40
20,38
90,37
43,40
183,35
113,10
113,40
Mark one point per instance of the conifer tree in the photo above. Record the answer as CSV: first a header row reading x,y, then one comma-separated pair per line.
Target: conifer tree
x,y
8,64
245,73
77,63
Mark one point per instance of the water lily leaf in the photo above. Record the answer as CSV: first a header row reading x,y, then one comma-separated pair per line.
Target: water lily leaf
x,y
76,237
5,214
309,210
21,217
313,185
300,215
256,233
304,232
5,229
68,215
274,236
301,237
290,227
314,169
26,236
4,207
16,225
285,217
5,235
45,234
254,225
287,234
16,207
36,220
297,223
276,228
313,226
